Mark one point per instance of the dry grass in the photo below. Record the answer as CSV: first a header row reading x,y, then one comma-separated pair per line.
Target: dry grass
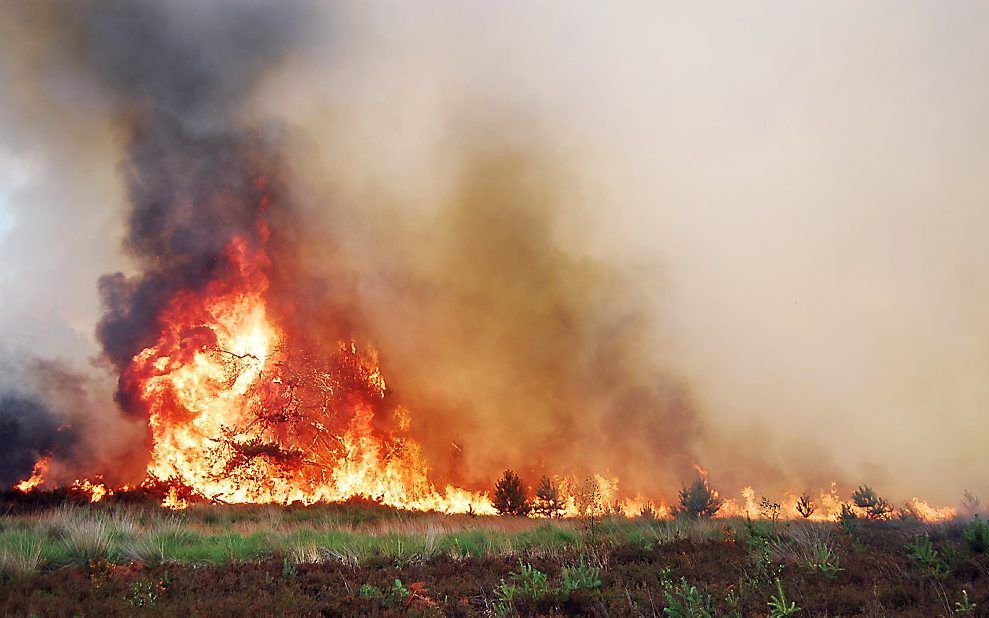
x,y
309,554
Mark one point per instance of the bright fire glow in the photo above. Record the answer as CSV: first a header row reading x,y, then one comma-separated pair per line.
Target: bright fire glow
x,y
236,418
37,476
240,413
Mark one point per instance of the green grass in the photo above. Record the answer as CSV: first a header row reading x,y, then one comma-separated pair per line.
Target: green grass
x,y
349,533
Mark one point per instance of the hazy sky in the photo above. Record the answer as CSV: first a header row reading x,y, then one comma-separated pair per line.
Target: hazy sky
x,y
798,187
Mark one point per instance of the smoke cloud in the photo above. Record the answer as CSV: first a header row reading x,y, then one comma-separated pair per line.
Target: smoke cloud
x,y
621,240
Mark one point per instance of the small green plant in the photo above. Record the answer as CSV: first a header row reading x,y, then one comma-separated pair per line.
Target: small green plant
x,y
532,582
505,595
370,592
141,593
581,577
965,606
766,571
734,602
779,606
397,593
684,600
922,552
510,497
758,533
698,499
874,506
823,559
977,535
527,583
288,569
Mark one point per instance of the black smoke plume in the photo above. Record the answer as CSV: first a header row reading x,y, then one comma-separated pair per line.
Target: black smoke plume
x,y
195,172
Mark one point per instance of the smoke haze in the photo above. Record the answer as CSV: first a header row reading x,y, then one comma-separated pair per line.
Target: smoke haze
x,y
619,239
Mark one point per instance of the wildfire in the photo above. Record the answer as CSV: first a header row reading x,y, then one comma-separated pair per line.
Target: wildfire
x,y
37,476
240,411
96,491
237,415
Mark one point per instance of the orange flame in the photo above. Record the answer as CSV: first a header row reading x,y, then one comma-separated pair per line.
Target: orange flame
x,y
96,491
236,418
37,477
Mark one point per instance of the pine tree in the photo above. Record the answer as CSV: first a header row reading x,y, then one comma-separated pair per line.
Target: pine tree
x,y
874,506
699,500
547,502
509,497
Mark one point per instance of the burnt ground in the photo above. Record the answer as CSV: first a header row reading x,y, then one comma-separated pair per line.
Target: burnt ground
x,y
878,578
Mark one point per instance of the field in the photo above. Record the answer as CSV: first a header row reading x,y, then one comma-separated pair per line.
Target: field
x,y
360,558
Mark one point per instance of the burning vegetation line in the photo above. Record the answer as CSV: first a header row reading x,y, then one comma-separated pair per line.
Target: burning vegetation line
x,y
242,410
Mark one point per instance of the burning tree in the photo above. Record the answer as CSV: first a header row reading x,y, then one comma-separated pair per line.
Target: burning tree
x,y
874,506
970,503
548,501
510,497
698,499
805,506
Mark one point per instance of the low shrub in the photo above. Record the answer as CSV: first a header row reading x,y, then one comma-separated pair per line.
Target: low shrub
x,y
922,552
848,520
823,559
528,584
977,535
580,577
684,600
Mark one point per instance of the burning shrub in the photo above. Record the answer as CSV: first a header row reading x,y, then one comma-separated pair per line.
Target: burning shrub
x,y
805,506
970,503
868,500
510,497
698,499
548,501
